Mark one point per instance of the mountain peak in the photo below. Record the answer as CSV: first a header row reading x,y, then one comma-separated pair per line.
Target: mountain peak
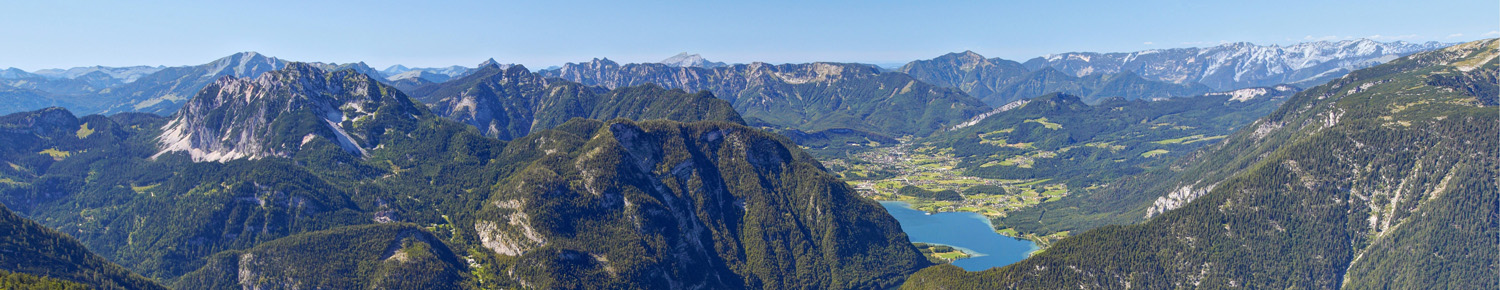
x,y
95,75
245,56
232,118
1057,97
970,54
244,64
514,71
489,62
966,60
1232,65
967,56
599,62
14,73
303,67
49,121
690,60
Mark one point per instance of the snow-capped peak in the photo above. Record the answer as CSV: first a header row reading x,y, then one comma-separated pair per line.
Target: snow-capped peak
x,y
1239,64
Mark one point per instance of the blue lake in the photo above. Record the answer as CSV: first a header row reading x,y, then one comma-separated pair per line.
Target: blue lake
x,y
967,231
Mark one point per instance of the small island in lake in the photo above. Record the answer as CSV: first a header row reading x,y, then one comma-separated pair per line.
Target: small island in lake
x,y
938,253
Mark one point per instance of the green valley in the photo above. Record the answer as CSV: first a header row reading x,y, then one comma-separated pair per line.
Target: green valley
x,y
888,173
1381,179
1041,150
862,145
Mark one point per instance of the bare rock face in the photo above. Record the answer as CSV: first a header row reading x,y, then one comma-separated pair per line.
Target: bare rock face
x,y
281,112
690,60
1237,65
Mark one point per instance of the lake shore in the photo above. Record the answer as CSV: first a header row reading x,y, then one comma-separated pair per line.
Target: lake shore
x,y
967,232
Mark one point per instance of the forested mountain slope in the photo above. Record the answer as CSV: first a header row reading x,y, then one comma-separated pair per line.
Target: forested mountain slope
x,y
13,99
1381,179
30,249
23,281
290,160
382,256
1059,136
1022,165
662,204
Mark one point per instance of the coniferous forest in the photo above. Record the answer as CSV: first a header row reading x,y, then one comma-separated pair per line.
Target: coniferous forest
x,y
1319,163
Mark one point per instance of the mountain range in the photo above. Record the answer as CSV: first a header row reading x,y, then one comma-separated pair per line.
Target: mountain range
x,y
124,74
1153,74
252,172
1024,160
998,81
808,97
158,90
1237,65
254,176
512,101
434,74
164,91
690,60
1383,178
1092,76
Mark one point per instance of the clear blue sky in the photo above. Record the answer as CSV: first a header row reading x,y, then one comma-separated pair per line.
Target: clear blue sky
x,y
52,34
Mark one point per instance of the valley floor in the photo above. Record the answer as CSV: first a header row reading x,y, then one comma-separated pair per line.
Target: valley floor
x,y
881,172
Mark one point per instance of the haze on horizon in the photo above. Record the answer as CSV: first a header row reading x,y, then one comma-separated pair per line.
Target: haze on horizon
x,y
66,34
